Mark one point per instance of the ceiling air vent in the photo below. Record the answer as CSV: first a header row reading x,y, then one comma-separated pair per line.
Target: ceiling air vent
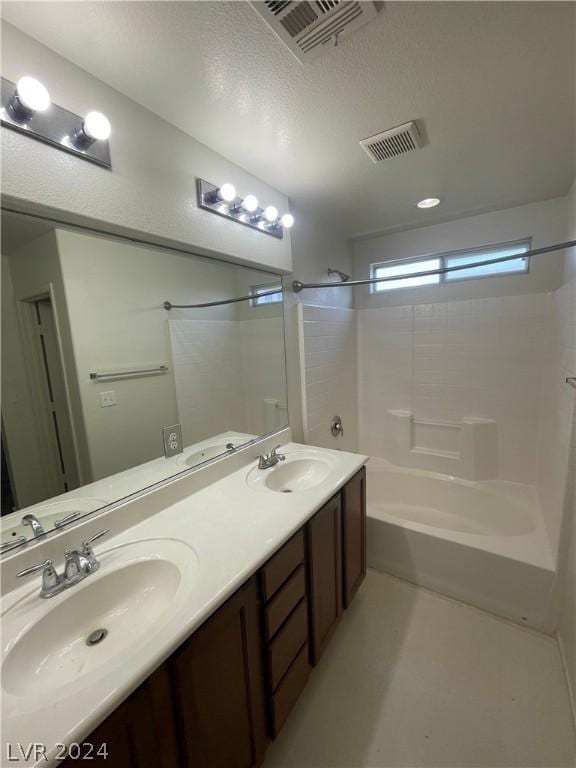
x,y
394,142
309,27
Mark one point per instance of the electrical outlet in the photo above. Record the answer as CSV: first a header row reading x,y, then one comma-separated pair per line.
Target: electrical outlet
x,y
107,399
172,438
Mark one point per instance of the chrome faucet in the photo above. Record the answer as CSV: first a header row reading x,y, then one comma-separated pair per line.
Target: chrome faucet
x,y
270,460
35,524
77,565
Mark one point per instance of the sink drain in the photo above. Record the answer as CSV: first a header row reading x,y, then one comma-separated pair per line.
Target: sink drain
x,y
96,637
286,490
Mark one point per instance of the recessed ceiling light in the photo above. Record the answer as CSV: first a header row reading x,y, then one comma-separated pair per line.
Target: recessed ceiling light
x,y
429,202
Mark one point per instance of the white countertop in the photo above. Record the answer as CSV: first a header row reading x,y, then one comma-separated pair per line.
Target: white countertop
x,y
230,528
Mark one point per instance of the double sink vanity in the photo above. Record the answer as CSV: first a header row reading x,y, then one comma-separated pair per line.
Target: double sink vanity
x,y
187,635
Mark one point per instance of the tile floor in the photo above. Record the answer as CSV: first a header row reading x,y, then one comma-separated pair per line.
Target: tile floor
x,y
413,679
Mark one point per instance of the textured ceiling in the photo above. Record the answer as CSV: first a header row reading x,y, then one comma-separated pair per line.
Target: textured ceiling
x,y
492,81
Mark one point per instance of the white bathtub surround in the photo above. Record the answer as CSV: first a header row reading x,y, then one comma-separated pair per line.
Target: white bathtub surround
x,y
227,374
558,407
413,679
480,542
229,529
467,449
328,349
450,361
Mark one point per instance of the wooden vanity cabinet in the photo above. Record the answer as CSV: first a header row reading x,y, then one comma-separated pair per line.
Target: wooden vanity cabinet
x,y
286,628
324,556
218,683
140,733
353,535
236,679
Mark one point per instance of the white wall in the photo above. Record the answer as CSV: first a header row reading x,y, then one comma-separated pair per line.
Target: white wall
x,y
567,547
114,294
22,440
315,247
36,271
544,222
151,188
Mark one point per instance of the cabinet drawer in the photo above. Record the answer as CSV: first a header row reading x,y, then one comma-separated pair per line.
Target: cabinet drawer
x,y
289,690
282,564
284,601
284,648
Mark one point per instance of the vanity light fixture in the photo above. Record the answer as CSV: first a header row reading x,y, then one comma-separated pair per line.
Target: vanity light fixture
x,y
224,194
29,97
225,202
271,214
249,204
27,109
428,202
95,127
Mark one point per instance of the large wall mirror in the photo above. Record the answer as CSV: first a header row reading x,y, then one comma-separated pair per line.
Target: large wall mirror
x,y
94,368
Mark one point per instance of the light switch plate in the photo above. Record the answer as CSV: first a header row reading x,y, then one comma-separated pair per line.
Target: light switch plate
x,y
107,399
172,437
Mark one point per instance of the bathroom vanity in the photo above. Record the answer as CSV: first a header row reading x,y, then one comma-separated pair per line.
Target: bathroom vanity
x,y
205,672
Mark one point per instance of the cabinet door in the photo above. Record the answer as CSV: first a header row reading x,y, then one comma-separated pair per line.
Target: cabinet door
x,y
219,686
324,541
139,734
354,534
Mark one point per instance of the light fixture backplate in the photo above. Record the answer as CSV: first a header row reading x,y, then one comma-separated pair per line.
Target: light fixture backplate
x,y
205,191
55,127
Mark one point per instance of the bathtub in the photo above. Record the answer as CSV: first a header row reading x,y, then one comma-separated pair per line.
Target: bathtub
x,y
482,542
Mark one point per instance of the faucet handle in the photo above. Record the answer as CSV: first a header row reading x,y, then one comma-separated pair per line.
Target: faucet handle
x,y
87,544
47,565
274,451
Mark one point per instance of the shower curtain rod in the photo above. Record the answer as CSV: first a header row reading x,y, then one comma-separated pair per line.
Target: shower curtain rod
x,y
298,286
168,304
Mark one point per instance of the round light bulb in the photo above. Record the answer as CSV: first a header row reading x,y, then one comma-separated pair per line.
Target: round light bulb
x,y
287,220
250,203
428,202
227,192
97,126
270,214
32,94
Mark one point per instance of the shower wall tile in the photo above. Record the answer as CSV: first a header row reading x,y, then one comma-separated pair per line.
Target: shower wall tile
x,y
207,362
329,339
445,361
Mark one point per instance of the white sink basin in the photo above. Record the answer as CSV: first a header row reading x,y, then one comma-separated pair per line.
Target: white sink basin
x,y
129,599
299,472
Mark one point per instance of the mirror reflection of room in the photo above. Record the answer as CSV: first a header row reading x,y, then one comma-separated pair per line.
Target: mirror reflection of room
x,y
105,390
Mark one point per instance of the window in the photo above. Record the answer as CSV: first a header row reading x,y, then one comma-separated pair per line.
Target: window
x,y
421,265
459,259
259,300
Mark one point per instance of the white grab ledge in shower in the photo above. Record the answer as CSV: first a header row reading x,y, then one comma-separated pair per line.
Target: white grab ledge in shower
x,y
467,449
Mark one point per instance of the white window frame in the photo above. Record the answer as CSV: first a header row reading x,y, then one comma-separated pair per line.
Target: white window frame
x,y
444,258
255,291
